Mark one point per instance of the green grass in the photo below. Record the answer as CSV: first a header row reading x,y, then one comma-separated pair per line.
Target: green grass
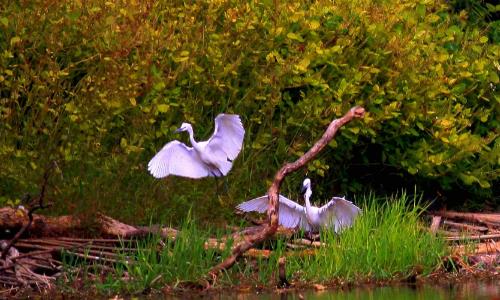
x,y
387,241
157,262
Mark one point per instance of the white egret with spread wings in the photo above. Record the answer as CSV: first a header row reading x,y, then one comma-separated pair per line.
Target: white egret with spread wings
x,y
338,213
213,157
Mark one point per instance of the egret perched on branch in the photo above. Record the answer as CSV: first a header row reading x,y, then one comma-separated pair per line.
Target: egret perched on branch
x,y
213,157
337,213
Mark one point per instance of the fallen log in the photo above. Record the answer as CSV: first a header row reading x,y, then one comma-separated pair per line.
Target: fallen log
x,y
12,220
465,226
485,218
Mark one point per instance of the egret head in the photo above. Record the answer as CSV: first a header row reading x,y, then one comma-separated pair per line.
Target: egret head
x,y
184,127
306,185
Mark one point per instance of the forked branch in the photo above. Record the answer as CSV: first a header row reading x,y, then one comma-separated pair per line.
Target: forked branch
x,y
270,228
37,204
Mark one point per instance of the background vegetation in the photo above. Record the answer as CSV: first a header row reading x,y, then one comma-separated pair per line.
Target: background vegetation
x,y
99,86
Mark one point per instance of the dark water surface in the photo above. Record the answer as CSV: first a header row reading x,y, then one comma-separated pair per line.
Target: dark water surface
x,y
483,290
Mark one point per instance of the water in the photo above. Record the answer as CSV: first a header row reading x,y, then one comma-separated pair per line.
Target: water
x,y
468,290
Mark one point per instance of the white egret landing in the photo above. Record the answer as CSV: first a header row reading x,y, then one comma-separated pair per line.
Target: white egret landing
x,y
338,213
213,157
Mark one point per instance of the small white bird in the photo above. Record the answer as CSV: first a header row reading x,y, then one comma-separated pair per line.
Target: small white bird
x,y
213,157
338,213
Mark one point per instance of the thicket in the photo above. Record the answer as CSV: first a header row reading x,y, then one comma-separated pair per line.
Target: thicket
x,y
99,86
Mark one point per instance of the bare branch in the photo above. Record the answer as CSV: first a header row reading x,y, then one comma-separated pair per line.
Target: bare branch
x,y
272,211
33,208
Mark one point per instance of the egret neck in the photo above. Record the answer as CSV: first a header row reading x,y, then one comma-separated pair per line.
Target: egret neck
x,y
189,129
309,210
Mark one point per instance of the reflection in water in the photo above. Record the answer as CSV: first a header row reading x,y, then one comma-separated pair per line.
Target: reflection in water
x,y
466,290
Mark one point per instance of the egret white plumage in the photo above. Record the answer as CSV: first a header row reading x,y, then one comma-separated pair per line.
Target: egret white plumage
x,y
338,213
213,157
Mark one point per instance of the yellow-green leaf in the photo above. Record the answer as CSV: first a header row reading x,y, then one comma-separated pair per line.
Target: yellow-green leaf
x,y
294,36
15,40
163,108
4,21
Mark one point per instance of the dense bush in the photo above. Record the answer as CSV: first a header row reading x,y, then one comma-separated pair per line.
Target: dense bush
x,y
99,86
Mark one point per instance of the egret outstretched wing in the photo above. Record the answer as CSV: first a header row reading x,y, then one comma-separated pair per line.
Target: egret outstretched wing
x,y
291,214
175,158
228,136
338,213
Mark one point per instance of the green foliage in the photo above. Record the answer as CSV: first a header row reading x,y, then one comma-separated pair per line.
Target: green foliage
x,y
99,87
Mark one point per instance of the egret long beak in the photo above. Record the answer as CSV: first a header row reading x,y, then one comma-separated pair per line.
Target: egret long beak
x,y
303,189
178,130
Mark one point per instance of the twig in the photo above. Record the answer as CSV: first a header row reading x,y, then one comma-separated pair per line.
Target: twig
x,y
270,228
31,211
305,242
436,220
465,226
283,282
480,237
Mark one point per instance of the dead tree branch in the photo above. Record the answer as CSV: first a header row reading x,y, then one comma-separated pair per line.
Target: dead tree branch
x,y
267,230
32,209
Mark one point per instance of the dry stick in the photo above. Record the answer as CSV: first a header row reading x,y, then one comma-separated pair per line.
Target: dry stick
x,y
61,242
272,210
31,211
473,237
283,283
465,226
69,239
436,220
44,250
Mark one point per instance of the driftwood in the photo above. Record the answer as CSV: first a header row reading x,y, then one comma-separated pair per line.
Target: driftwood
x,y
436,221
472,217
477,249
479,237
269,229
466,227
481,248
44,226
38,204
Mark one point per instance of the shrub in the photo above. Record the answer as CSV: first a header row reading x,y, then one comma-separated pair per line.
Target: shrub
x,y
99,87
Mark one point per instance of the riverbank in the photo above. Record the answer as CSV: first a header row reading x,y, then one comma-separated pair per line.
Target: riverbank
x,y
391,243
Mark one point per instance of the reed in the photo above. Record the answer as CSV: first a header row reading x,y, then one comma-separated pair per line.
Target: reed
x,y
388,240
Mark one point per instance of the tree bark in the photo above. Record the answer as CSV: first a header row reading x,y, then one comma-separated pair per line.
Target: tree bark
x,y
45,226
273,208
